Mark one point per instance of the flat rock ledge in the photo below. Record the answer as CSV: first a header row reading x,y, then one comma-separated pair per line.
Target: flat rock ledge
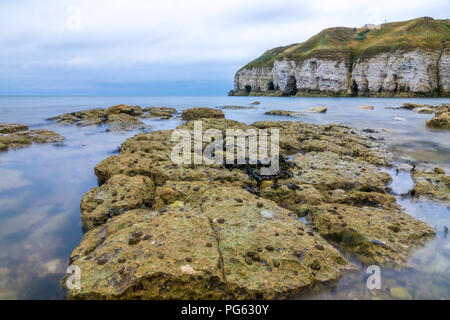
x,y
14,135
157,230
117,118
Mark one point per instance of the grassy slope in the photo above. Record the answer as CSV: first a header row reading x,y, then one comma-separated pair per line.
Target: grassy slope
x,y
352,43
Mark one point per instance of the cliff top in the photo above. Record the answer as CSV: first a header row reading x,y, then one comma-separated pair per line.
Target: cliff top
x,y
353,43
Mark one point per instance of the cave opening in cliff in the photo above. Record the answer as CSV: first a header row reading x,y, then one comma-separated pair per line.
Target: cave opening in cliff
x,y
291,87
354,88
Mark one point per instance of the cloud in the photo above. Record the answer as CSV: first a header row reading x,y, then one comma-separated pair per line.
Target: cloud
x,y
55,45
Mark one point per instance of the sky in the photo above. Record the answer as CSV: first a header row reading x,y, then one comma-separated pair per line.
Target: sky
x,y
164,47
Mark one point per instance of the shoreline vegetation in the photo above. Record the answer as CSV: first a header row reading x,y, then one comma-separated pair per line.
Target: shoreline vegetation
x,y
157,230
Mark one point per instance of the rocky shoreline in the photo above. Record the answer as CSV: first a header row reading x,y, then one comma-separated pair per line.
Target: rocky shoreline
x,y
157,230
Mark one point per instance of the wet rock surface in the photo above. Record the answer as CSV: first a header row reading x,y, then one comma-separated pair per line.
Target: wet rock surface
x,y
117,118
18,136
201,113
159,112
221,231
431,184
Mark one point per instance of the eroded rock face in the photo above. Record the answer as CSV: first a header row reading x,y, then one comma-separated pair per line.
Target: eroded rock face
x,y
412,72
161,231
201,113
18,136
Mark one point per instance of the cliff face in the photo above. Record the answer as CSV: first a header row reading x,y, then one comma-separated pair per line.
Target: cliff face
x,y
402,58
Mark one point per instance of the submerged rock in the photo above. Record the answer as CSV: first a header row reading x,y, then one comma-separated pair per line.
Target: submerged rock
x,y
236,107
365,107
20,136
432,185
384,237
124,122
159,112
318,109
201,113
284,113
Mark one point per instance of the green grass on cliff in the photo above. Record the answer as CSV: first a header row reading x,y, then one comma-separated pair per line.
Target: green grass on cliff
x,y
353,43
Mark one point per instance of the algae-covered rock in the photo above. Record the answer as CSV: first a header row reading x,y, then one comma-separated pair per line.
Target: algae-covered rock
x,y
159,112
118,195
256,247
201,113
441,120
400,293
12,127
215,247
20,139
377,236
128,164
123,108
431,185
124,121
284,113
42,136
142,254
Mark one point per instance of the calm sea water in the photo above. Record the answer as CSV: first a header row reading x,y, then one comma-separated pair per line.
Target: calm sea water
x,y
41,186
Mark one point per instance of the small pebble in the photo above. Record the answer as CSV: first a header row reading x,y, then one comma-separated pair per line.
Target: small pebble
x,y
269,248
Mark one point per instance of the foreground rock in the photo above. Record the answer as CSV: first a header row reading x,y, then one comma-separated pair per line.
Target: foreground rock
x,y
19,136
117,118
218,248
158,230
201,113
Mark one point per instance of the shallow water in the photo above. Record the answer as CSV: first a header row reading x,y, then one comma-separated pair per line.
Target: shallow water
x,y
41,186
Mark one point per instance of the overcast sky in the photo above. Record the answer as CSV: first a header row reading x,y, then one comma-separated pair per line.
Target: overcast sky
x,y
164,47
